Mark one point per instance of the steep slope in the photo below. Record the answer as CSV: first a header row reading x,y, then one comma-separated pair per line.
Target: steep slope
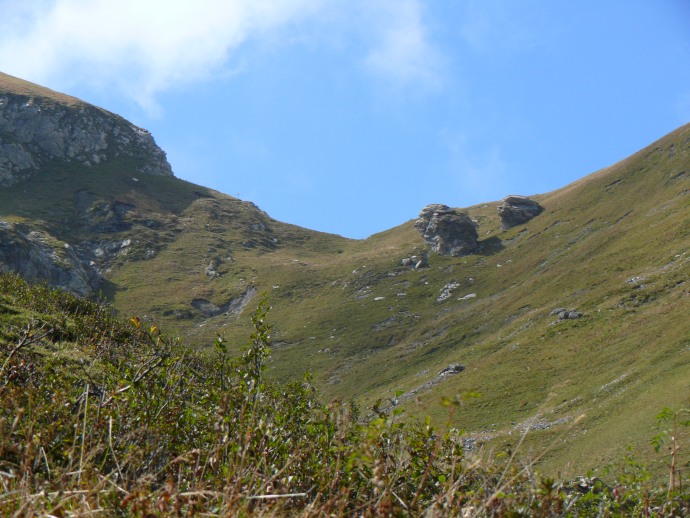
x,y
612,247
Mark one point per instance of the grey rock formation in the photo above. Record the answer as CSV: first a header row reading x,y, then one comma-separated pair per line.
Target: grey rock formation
x,y
565,314
99,215
415,262
233,306
453,368
447,291
515,210
447,231
35,131
39,256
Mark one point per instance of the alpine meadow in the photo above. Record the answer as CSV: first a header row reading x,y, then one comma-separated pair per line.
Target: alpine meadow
x,y
170,350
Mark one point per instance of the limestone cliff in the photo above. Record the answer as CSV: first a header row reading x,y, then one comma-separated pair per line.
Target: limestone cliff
x,y
39,129
38,126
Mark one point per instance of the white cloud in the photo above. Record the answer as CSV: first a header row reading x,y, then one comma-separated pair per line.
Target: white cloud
x,y
141,48
402,52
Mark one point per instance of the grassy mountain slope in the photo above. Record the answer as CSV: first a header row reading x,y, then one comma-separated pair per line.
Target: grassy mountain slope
x,y
18,86
613,246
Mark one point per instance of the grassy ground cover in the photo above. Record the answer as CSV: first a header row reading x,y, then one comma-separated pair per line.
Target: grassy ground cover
x,y
104,416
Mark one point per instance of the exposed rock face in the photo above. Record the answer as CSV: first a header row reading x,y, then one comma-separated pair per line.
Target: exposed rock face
x,y
37,130
447,231
234,306
39,256
515,210
99,215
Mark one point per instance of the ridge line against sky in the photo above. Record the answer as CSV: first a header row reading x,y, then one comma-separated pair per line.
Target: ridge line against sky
x,y
349,116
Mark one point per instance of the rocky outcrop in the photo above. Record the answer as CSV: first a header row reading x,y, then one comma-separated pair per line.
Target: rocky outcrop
x,y
38,256
565,314
453,368
234,306
447,291
515,210
447,231
36,130
102,216
415,262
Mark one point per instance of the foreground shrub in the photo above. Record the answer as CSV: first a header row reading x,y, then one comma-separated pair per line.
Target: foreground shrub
x,y
101,415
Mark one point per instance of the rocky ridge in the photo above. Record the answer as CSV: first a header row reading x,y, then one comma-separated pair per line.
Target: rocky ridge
x,y
36,130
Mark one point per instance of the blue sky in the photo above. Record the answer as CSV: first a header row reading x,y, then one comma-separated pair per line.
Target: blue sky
x,y
349,116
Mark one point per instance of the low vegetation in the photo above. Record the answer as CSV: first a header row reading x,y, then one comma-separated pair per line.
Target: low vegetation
x,y
104,416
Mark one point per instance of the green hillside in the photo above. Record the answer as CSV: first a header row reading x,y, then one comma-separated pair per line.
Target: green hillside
x,y
614,247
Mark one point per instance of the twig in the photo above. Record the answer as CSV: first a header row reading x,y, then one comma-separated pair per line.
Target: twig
x,y
271,497
46,459
114,485
205,493
26,339
118,391
150,365
112,450
432,457
83,433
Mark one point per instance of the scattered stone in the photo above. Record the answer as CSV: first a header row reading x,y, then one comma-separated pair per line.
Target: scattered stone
x,y
211,269
447,231
515,210
468,296
415,261
447,291
379,298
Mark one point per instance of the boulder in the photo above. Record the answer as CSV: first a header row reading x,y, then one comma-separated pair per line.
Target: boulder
x,y
447,231
515,210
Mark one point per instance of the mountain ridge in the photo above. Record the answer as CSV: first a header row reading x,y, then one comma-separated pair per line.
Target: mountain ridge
x,y
612,247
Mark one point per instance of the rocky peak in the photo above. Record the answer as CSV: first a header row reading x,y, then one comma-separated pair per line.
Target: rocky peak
x,y
515,210
447,231
38,126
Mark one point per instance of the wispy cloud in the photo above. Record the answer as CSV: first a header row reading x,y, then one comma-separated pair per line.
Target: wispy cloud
x,y
492,26
682,107
402,52
143,48
479,173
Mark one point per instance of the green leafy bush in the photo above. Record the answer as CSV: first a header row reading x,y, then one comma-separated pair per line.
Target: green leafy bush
x,y
103,415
